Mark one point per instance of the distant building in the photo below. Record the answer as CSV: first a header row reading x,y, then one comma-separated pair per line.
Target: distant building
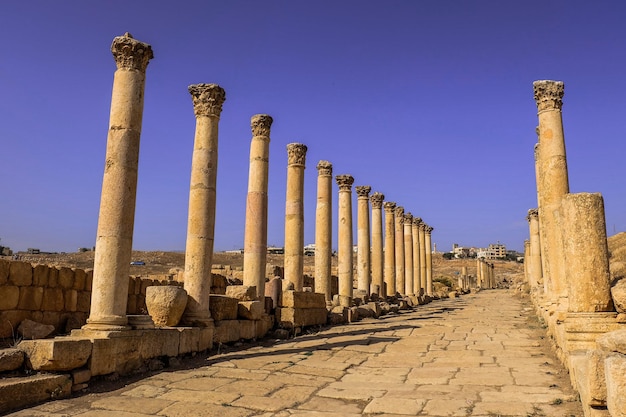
x,y
493,251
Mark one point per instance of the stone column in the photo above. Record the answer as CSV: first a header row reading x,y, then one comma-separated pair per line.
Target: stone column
x,y
464,278
390,248
586,253
552,172
294,216
479,273
408,254
422,237
400,273
415,234
527,261
323,229
376,199
364,278
255,238
344,249
114,240
534,264
429,261
207,106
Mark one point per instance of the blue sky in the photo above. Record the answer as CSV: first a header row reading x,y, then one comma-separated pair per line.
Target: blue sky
x,y
429,102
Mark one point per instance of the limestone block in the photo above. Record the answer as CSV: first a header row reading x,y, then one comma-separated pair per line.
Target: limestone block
x,y
298,299
66,278
52,299
53,277
88,279
166,304
588,370
159,342
189,340
11,359
250,310
79,279
21,274
618,292
9,320
9,297
289,317
23,391
59,354
80,376
264,325
226,331
353,314
273,289
615,370
83,302
241,292
113,351
223,307
40,275
206,338
338,315
364,311
30,298
247,329
32,330
145,283
71,300
5,266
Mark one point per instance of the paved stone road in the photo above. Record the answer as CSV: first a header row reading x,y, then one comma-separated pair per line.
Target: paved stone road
x,y
479,355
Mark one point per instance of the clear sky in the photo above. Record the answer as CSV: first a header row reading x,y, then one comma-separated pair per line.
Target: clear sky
x,y
429,102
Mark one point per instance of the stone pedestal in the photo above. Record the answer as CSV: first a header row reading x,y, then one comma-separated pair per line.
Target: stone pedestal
x,y
255,237
415,236
376,199
323,230
114,239
399,233
408,254
207,104
390,248
364,278
344,250
294,216
552,182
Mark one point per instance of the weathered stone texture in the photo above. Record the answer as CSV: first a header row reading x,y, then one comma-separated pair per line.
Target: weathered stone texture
x,y
250,310
21,274
33,389
223,307
242,292
33,330
298,299
9,297
30,298
11,359
59,354
289,317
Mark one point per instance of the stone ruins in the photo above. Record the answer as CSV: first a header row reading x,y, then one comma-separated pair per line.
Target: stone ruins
x,y
567,263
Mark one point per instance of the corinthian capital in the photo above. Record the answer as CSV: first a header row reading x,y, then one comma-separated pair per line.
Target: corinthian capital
x,y
408,218
296,154
376,200
417,221
261,124
207,99
362,191
324,168
429,229
549,94
344,182
131,54
400,211
532,214
389,206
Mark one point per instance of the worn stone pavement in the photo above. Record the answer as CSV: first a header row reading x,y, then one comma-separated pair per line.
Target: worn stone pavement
x,y
478,355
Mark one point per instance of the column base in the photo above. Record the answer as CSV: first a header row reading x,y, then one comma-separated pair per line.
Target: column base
x,y
107,323
582,329
196,320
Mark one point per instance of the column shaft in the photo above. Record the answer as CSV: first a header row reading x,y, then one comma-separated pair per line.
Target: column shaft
x,y
400,273
376,200
294,216
534,264
415,234
390,248
408,254
363,239
344,250
323,230
422,237
429,261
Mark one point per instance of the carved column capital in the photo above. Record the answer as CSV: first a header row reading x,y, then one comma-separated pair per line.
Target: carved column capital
x,y
324,168
422,226
296,153
428,229
261,124
130,53
389,206
408,218
344,182
376,200
417,221
207,99
363,191
549,94
400,211
532,214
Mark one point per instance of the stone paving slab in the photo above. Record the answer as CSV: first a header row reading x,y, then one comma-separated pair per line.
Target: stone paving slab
x,y
481,355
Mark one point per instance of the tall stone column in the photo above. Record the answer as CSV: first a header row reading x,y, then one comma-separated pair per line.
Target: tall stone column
x,y
323,229
415,234
479,272
390,248
207,106
429,261
344,249
255,237
114,240
464,278
294,216
527,261
586,253
400,273
408,254
363,239
376,200
534,264
552,172
422,238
